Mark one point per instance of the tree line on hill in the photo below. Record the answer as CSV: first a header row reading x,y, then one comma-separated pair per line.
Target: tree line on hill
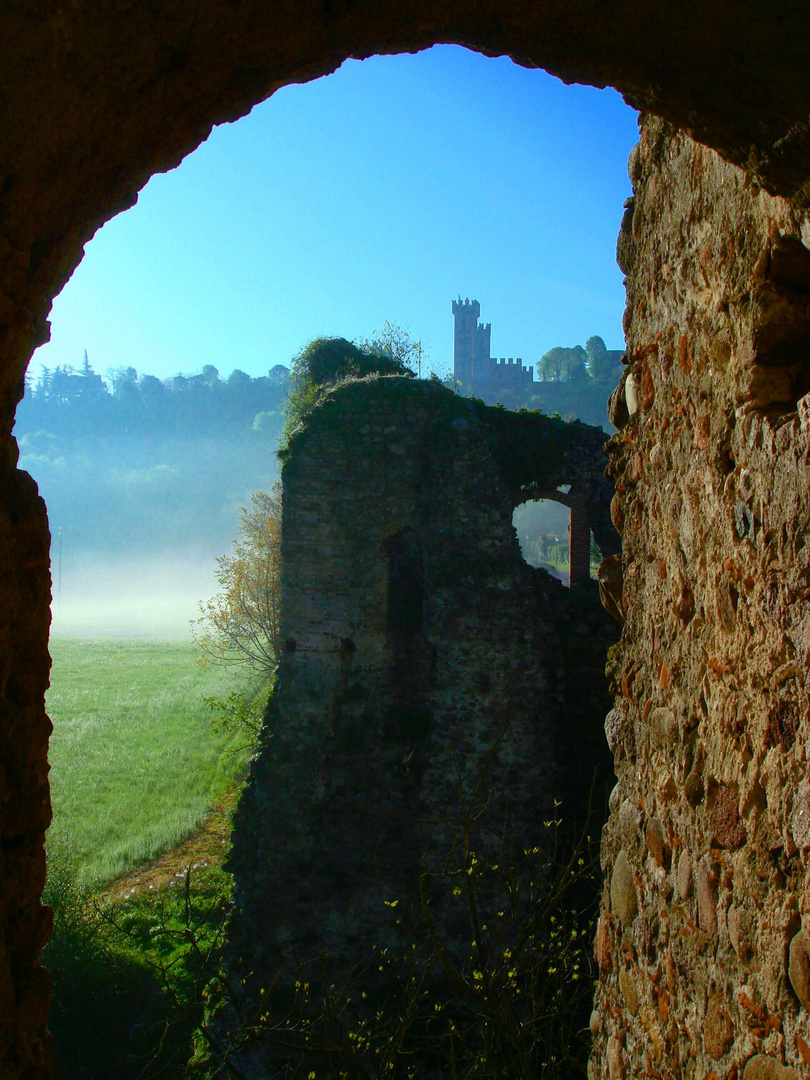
x,y
72,402
132,464
574,382
576,364
129,462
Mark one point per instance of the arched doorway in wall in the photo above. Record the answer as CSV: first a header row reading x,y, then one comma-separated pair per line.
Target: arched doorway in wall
x,y
554,535
475,226
542,527
233,71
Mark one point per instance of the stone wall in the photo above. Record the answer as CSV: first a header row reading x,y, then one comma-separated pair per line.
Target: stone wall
x,y
25,809
704,966
422,655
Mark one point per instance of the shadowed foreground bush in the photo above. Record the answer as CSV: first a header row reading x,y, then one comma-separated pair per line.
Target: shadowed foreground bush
x,y
109,1015
494,981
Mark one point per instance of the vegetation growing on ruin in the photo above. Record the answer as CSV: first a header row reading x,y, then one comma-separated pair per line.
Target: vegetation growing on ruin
x,y
326,362
530,447
492,978
335,406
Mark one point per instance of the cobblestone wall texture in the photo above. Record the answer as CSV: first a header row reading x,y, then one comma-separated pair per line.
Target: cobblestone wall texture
x,y
394,497
704,962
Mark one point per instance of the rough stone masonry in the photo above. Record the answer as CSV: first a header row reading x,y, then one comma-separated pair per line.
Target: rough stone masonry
x,y
423,657
702,958
703,939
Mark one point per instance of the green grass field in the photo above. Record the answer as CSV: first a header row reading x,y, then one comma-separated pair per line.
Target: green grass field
x,y
136,767
135,762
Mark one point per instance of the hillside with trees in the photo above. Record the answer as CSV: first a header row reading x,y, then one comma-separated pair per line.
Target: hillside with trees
x,y
133,463
574,382
146,476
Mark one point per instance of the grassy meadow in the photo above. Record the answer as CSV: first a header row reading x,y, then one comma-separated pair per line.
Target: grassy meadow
x,y
136,765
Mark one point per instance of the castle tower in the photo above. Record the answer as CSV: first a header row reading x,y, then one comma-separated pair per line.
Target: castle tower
x,y
471,344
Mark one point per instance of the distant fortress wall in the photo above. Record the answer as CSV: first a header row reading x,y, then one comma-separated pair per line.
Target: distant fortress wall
x,y
511,371
472,364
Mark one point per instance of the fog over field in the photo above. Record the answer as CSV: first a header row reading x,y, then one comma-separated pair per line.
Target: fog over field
x,y
105,595
144,482
123,594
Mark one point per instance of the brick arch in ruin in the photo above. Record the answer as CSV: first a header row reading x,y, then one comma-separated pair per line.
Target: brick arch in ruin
x,y
545,458
710,465
580,526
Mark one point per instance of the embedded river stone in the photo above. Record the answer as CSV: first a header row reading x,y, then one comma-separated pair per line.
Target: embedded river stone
x,y
684,875
615,1059
718,1031
725,818
656,842
800,818
629,991
706,898
764,1067
799,967
623,898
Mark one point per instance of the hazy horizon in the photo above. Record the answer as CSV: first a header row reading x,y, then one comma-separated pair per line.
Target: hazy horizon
x,y
123,597
380,192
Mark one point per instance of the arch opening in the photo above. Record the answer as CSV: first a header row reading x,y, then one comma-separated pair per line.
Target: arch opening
x,y
404,569
542,527
547,530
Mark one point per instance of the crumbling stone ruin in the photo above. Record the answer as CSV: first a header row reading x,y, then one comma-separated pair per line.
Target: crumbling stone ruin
x,y
421,652
701,944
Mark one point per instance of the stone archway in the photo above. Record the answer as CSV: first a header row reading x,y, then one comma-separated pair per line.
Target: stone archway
x,y
97,98
579,530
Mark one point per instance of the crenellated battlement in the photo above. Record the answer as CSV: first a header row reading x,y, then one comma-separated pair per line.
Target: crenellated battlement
x,y
473,366
470,308
507,370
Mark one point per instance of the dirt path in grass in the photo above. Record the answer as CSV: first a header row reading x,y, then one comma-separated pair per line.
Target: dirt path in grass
x,y
208,846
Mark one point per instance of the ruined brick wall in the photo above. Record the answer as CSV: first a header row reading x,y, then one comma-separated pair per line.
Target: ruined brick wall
x,y
393,496
704,966
25,810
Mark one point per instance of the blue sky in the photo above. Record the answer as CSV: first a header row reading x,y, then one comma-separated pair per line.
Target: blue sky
x,y
379,193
